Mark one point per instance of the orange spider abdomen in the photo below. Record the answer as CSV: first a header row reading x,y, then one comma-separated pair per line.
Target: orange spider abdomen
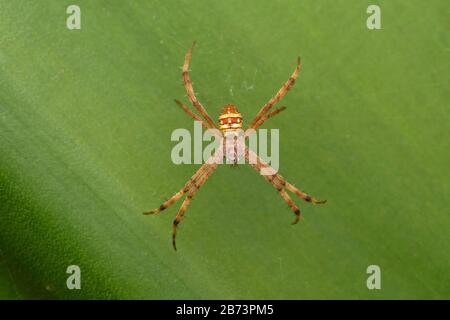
x,y
230,119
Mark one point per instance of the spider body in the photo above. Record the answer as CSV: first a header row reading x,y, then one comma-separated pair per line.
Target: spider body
x,y
230,119
230,123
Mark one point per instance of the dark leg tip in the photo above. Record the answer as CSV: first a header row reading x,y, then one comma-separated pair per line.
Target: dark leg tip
x,y
297,216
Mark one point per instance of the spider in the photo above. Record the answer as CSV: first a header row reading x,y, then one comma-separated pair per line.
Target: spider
x,y
230,120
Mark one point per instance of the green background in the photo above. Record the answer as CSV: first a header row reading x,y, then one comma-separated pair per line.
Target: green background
x,y
85,122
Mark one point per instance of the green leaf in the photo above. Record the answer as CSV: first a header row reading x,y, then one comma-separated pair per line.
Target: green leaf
x,y
85,123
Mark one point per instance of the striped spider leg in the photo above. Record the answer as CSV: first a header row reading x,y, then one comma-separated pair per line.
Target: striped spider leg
x,y
280,94
263,119
190,90
263,114
275,179
189,189
207,169
280,183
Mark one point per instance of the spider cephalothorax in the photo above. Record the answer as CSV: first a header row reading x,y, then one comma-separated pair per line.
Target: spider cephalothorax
x,y
230,119
230,122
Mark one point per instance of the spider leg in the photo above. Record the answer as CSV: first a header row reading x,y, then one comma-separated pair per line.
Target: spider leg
x,y
213,130
303,195
166,204
192,114
187,200
190,90
280,94
267,116
291,205
212,161
281,184
263,119
286,184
